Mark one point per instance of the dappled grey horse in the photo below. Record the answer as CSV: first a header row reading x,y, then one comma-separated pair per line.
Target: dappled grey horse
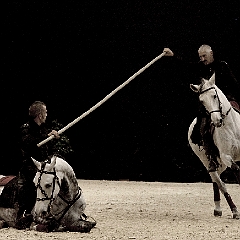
x,y
226,136
60,203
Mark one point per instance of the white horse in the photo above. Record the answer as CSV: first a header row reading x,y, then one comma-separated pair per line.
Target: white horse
x,y
60,203
226,137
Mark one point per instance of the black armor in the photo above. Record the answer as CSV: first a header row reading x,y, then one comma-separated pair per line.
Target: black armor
x,y
31,134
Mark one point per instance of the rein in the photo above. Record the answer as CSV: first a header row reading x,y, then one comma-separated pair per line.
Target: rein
x,y
51,198
69,204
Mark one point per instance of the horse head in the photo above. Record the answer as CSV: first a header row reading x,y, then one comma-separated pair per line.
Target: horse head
x,y
59,198
47,182
214,101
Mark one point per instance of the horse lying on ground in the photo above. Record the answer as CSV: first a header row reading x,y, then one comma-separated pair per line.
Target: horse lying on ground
x,y
226,137
8,201
59,205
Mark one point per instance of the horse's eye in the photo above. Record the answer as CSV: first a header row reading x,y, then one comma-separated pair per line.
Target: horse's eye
x,y
48,185
215,96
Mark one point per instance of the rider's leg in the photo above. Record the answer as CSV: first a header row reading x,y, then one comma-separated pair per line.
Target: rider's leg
x,y
209,146
26,201
26,198
196,135
26,191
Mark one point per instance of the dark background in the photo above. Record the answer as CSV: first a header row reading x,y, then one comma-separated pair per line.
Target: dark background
x,y
71,54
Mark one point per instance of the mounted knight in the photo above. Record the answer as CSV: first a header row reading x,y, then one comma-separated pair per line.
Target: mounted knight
x,y
226,81
225,135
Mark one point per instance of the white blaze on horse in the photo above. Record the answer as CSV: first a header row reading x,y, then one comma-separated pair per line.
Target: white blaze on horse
x,y
60,203
226,136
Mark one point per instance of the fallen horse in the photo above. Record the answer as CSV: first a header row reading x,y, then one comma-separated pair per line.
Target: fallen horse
x,y
59,204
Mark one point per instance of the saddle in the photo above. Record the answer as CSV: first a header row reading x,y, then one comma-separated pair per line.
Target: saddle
x,y
9,194
235,106
5,180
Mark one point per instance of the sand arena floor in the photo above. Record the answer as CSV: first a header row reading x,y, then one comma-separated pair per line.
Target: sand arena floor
x,y
148,210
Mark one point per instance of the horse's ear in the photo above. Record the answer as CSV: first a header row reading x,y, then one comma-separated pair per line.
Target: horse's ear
x,y
195,88
212,79
53,162
37,163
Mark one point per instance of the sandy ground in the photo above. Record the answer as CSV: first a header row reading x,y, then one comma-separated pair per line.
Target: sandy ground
x,y
148,210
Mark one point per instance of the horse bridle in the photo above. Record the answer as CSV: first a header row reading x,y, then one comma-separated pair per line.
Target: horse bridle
x,y
55,179
51,198
220,104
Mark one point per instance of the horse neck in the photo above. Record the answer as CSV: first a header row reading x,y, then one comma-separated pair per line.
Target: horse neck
x,y
226,105
69,186
231,117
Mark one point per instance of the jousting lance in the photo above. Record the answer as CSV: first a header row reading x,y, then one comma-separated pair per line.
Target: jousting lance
x,y
103,100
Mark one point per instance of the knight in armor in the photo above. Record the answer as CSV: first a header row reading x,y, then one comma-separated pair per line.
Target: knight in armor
x,y
226,81
32,133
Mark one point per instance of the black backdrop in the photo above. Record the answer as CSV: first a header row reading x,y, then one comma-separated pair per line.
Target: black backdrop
x,y
71,54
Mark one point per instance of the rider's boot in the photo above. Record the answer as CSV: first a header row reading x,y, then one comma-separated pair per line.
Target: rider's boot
x,y
210,148
211,156
26,201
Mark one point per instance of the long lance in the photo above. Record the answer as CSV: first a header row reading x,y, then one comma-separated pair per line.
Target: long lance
x,y
103,100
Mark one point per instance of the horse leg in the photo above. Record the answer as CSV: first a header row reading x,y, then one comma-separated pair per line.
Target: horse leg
x,y
8,217
236,171
217,200
3,224
221,185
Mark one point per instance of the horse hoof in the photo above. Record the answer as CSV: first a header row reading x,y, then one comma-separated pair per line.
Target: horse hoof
x,y
217,213
3,224
236,216
41,228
